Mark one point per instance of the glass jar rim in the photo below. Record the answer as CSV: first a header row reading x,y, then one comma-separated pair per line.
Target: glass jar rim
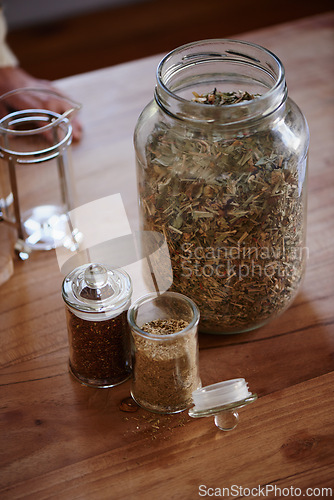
x,y
163,93
153,295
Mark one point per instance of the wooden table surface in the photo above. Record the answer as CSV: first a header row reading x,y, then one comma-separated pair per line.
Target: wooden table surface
x,y
63,440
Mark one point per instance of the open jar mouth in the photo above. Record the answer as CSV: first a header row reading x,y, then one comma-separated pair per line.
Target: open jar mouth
x,y
152,298
227,65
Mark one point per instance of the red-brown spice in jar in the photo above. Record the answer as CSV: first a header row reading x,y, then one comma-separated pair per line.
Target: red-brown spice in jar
x,y
99,350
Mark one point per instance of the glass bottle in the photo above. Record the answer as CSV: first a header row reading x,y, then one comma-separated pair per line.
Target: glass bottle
x,y
226,184
97,299
165,351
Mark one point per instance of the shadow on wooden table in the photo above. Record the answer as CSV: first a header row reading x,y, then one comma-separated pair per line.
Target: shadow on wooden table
x,y
292,348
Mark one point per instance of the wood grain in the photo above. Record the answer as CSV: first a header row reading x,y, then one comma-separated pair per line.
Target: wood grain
x,y
62,440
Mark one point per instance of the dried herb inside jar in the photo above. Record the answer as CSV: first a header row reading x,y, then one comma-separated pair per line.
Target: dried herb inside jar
x,y
217,98
99,350
230,205
165,372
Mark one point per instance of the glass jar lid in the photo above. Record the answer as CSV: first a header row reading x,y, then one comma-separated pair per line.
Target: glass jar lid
x,y
221,400
96,288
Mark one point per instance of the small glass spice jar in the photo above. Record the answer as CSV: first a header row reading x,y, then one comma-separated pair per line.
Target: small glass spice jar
x,y
165,351
97,300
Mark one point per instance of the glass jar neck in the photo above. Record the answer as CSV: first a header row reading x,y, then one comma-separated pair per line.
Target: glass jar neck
x,y
225,65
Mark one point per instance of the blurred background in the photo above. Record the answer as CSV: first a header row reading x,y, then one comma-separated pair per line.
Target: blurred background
x,y
55,39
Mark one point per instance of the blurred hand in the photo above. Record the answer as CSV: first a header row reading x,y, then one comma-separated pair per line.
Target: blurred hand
x,y
12,78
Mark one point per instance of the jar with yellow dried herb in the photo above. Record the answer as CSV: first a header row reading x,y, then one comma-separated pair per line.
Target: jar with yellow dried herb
x,y
97,300
165,351
221,166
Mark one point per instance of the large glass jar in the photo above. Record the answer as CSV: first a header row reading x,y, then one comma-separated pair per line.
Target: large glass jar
x,y
222,157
